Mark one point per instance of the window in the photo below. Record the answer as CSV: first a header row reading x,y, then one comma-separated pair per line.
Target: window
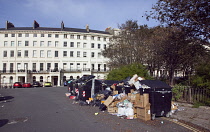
x,y
65,35
78,36
18,66
56,43
78,66
84,54
56,66
35,35
26,66
56,53
49,35
99,46
5,43
84,45
26,53
34,78
41,66
104,46
72,36
26,35
5,35
104,38
84,66
11,67
85,37
64,53
5,53
92,66
92,45
49,43
34,67
56,35
48,66
34,53
12,53
78,44
71,53
13,35
34,43
104,67
19,43
64,66
64,44
42,53
92,37
99,38
49,53
26,43
42,35
41,78
71,66
12,43
92,54
20,35
4,67
99,67
19,53
72,44
78,53
41,43
99,54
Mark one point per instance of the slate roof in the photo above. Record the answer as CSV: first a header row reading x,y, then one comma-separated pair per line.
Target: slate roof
x,y
54,29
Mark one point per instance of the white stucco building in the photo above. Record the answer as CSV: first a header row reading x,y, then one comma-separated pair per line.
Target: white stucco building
x,y
43,54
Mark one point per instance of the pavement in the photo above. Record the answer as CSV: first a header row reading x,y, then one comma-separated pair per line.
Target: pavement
x,y
197,116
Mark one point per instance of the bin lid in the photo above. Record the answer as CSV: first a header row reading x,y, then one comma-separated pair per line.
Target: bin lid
x,y
155,83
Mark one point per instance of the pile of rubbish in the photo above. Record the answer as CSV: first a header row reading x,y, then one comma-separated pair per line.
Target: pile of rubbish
x,y
130,98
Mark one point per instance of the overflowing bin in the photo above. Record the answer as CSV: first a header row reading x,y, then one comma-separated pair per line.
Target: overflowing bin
x,y
84,90
160,95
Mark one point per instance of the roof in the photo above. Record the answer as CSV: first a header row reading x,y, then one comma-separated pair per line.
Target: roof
x,y
54,29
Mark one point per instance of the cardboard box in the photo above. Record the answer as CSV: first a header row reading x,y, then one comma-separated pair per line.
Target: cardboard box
x,y
135,110
113,104
146,99
108,101
137,98
115,92
144,113
112,109
139,103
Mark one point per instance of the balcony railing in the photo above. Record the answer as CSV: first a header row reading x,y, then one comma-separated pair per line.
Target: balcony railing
x,y
52,70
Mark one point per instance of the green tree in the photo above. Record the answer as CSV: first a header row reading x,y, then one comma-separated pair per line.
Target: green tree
x,y
202,75
192,16
125,71
128,46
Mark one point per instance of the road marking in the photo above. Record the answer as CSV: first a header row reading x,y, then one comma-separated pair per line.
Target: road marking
x,y
182,124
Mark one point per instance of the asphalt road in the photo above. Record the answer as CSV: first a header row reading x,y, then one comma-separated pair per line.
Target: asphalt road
x,y
49,110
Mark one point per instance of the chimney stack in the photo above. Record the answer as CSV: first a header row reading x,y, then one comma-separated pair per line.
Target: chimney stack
x,y
9,25
35,25
62,25
87,28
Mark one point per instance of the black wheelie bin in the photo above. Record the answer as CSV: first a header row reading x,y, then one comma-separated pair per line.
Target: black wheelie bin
x,y
160,95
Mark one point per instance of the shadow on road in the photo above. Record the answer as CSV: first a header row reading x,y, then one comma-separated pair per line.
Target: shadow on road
x,y
3,122
6,98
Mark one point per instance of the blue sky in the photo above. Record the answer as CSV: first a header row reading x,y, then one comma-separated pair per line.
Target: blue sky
x,y
98,14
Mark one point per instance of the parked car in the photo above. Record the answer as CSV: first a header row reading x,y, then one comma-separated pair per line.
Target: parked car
x,y
36,84
47,84
17,85
26,85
